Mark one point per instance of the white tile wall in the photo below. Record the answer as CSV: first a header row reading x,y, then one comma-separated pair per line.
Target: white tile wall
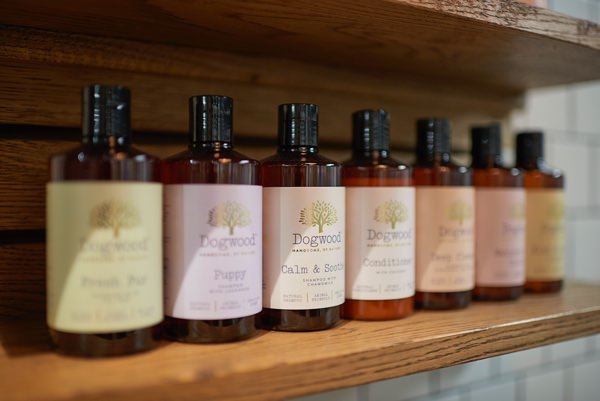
x,y
576,8
547,108
587,250
522,360
346,394
568,371
545,386
587,382
587,117
506,391
464,374
569,349
403,388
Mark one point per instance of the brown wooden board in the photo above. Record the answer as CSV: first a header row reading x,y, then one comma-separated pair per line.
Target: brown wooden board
x,y
276,365
42,73
22,281
500,43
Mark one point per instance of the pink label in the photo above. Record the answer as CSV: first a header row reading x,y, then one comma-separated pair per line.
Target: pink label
x,y
500,241
445,241
213,251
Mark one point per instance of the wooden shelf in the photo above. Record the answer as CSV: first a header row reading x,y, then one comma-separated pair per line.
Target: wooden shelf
x,y
468,60
275,366
502,43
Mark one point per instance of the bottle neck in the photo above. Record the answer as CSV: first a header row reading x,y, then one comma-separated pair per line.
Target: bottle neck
x,y
107,141
365,154
530,163
300,150
433,158
489,161
215,146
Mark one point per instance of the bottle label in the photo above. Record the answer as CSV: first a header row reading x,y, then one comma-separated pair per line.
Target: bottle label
x,y
445,239
380,233
500,241
104,256
304,247
213,251
545,234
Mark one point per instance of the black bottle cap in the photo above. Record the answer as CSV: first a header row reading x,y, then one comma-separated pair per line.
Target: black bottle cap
x,y
106,112
371,130
530,148
211,119
298,125
433,138
486,143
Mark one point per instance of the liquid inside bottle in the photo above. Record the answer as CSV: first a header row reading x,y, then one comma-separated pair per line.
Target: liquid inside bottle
x,y
104,236
445,272
380,219
544,214
303,228
499,219
213,232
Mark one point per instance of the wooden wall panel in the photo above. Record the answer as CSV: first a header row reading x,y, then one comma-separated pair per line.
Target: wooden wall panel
x,y
41,75
22,280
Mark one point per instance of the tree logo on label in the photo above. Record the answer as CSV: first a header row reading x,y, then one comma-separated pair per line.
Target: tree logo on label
x,y
318,214
229,214
115,215
460,211
391,212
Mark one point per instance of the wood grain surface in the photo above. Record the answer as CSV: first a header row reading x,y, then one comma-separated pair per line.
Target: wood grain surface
x,y
445,40
274,366
22,281
42,73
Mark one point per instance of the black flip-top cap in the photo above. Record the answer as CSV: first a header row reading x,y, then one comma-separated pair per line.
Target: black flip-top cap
x,y
433,137
298,124
211,118
371,130
106,111
486,142
530,147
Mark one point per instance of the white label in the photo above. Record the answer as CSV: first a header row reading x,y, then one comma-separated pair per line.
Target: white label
x,y
304,247
380,234
500,240
104,253
213,251
445,240
545,234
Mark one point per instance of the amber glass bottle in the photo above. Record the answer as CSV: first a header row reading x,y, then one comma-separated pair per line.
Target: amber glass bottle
x,y
213,232
544,215
104,257
499,219
303,228
380,218
445,201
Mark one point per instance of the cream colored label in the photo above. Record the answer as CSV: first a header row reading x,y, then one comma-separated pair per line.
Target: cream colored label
x,y
104,256
445,240
500,239
545,234
380,248
303,257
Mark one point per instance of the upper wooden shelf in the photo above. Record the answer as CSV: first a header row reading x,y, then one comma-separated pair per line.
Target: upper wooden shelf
x,y
275,366
498,45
